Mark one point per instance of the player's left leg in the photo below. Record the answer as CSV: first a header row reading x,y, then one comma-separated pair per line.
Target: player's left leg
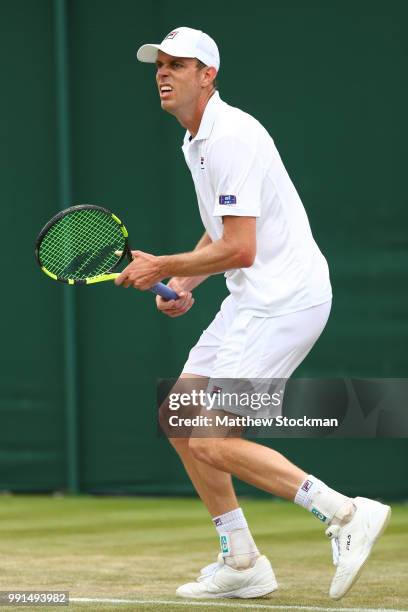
x,y
354,525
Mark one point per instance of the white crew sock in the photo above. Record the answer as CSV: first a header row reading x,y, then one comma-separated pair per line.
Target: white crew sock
x,y
237,544
325,503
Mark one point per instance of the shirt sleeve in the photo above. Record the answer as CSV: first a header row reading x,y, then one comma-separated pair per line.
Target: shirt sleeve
x,y
237,176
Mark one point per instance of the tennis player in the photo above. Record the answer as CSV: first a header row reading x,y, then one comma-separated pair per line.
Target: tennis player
x,y
257,232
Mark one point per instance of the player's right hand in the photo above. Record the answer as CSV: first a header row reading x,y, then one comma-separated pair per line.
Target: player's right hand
x,y
175,308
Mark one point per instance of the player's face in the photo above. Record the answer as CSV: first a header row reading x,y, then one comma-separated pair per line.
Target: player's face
x,y
178,81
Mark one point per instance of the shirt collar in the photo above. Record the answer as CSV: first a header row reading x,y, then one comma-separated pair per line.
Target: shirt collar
x,y
207,120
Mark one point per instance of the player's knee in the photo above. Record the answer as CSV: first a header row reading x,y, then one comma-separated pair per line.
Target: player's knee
x,y
180,444
199,448
206,450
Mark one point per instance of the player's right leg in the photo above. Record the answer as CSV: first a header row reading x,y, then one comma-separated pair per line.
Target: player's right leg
x,y
214,486
241,571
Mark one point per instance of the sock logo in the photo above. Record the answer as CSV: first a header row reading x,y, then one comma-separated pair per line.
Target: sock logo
x,y
217,522
348,541
224,544
319,515
306,485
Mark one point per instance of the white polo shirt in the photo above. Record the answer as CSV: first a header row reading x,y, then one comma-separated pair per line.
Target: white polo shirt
x,y
237,170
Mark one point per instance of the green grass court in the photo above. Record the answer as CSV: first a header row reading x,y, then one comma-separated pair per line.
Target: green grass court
x,y
141,549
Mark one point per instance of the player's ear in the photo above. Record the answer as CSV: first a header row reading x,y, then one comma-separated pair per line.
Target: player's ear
x,y
209,74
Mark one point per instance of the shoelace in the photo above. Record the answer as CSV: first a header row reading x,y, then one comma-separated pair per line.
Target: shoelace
x,y
333,533
209,570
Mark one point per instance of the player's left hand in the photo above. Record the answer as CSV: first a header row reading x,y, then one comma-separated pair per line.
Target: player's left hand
x,y
142,273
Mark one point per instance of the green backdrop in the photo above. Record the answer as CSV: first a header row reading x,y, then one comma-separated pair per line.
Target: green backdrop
x,y
328,80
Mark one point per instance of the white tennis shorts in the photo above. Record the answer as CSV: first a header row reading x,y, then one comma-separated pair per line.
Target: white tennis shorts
x,y
240,345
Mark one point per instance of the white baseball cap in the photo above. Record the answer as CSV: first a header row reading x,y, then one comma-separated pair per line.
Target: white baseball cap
x,y
183,42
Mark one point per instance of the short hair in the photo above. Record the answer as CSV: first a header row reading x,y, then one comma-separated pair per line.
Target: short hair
x,y
200,66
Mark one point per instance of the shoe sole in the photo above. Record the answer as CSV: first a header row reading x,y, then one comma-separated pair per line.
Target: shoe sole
x,y
382,525
251,592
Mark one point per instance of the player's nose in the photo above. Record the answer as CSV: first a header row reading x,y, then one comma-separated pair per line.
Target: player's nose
x,y
162,71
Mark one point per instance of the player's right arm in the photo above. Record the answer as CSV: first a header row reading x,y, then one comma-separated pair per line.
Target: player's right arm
x,y
183,286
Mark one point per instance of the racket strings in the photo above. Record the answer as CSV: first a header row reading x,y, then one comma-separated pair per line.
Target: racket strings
x,y
81,245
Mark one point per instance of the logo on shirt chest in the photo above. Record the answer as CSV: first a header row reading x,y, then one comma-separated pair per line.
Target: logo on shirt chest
x,y
202,163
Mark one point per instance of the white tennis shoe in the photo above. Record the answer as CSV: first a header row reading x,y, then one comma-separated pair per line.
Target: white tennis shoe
x,y
221,580
352,543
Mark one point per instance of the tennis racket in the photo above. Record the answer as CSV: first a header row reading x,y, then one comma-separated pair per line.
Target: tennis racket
x,y
79,246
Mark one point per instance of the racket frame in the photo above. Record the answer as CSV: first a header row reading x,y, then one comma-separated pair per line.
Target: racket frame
x,y
109,275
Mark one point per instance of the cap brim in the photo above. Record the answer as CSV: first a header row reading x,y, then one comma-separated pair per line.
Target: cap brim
x,y
148,53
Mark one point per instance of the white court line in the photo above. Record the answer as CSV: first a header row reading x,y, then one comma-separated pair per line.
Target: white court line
x,y
164,602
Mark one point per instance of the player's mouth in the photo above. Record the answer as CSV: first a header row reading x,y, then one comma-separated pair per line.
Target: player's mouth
x,y
165,91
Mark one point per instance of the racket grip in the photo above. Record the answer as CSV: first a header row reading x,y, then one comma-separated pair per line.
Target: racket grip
x,y
164,291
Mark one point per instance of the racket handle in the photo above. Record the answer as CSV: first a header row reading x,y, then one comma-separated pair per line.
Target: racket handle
x,y
164,291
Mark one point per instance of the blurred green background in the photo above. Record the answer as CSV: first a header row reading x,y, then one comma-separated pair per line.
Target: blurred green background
x,y
81,123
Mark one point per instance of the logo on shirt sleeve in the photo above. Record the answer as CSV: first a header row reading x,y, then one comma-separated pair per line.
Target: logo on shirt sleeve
x,y
227,200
